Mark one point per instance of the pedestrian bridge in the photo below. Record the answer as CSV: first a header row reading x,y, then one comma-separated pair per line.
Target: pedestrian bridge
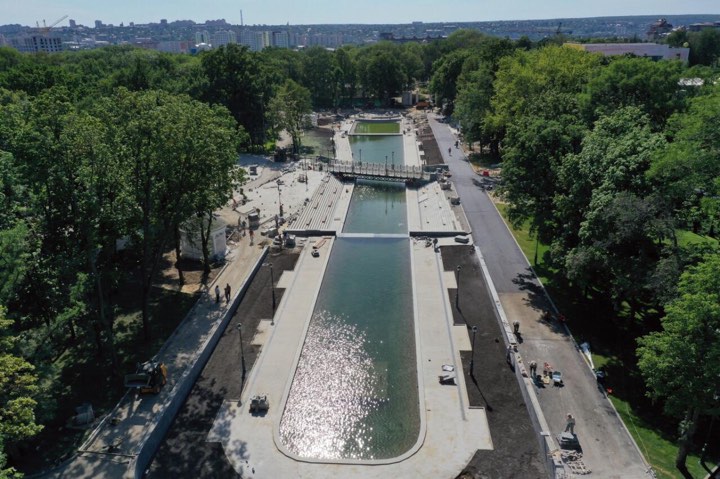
x,y
379,172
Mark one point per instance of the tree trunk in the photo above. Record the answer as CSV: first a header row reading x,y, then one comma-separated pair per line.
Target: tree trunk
x,y
104,322
178,256
686,442
204,240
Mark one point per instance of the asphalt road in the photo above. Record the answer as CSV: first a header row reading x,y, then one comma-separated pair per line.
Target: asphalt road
x,y
607,447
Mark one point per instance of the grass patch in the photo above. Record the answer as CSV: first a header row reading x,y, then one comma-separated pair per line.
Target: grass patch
x,y
685,238
613,346
484,160
659,450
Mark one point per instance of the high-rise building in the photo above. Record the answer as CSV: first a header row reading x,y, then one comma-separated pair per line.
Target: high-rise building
x,y
223,37
202,37
72,23
98,24
280,39
37,43
249,38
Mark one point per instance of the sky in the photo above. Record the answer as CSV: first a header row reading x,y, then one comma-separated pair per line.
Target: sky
x,y
277,12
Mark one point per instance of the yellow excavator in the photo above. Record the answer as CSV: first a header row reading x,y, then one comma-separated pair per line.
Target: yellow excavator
x,y
149,377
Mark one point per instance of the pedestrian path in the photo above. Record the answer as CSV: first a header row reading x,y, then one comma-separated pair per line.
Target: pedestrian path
x,y
125,440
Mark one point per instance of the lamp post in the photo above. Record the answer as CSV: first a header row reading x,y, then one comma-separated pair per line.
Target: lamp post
x,y
537,240
360,155
457,289
393,160
272,289
242,352
386,164
472,357
279,198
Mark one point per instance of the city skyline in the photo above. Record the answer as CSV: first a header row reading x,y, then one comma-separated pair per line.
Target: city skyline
x,y
267,12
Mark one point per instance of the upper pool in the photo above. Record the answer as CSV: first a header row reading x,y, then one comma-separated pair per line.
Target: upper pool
x,y
376,128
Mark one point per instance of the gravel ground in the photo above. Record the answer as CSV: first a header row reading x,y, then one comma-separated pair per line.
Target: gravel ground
x,y
184,452
517,452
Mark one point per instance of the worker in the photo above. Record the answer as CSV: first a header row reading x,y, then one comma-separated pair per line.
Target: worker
x,y
533,369
570,424
516,326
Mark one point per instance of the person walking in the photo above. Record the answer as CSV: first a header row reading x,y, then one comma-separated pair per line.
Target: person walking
x,y
450,151
217,293
570,424
516,326
227,292
533,369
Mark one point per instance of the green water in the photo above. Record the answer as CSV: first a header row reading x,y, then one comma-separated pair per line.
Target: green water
x,y
355,392
354,395
370,127
377,149
377,207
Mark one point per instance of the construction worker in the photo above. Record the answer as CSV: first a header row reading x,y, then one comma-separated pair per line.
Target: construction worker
x,y
516,326
570,424
533,369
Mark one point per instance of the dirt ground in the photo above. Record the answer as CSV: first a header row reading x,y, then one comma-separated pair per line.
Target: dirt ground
x,y
493,384
193,274
184,452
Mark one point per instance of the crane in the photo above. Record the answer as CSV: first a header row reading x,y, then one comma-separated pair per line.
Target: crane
x,y
45,29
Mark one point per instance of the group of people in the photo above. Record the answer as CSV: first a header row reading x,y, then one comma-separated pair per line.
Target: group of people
x,y
228,291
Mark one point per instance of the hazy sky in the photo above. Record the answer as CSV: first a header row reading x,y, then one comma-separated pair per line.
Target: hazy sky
x,y
274,12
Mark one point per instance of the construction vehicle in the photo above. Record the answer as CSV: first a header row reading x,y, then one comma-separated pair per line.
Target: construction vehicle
x,y
259,404
149,377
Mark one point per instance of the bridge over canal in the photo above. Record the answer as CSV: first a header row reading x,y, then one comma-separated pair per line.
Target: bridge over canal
x,y
380,172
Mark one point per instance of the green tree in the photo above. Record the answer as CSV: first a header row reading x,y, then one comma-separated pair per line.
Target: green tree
x,y
612,229
688,171
289,110
681,363
319,76
381,72
237,81
651,86
18,387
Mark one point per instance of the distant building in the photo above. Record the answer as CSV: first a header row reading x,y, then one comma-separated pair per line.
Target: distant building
x,y
72,23
173,46
659,29
98,24
653,51
223,37
37,44
281,39
697,27
163,22
202,37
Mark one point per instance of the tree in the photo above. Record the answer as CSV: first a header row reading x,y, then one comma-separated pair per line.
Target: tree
x,y
651,86
681,363
289,110
611,229
18,386
237,81
687,172
167,143
381,72
319,76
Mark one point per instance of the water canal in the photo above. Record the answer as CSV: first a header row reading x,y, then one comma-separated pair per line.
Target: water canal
x,y
354,395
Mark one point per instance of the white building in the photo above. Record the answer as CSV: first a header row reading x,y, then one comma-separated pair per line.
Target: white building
x,y
223,37
37,43
653,51
202,37
191,245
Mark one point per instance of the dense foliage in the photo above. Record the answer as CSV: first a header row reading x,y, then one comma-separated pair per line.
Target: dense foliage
x,y
608,159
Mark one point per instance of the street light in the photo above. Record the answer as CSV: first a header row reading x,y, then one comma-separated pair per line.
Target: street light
x,y
393,160
472,357
272,288
457,289
360,155
242,353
